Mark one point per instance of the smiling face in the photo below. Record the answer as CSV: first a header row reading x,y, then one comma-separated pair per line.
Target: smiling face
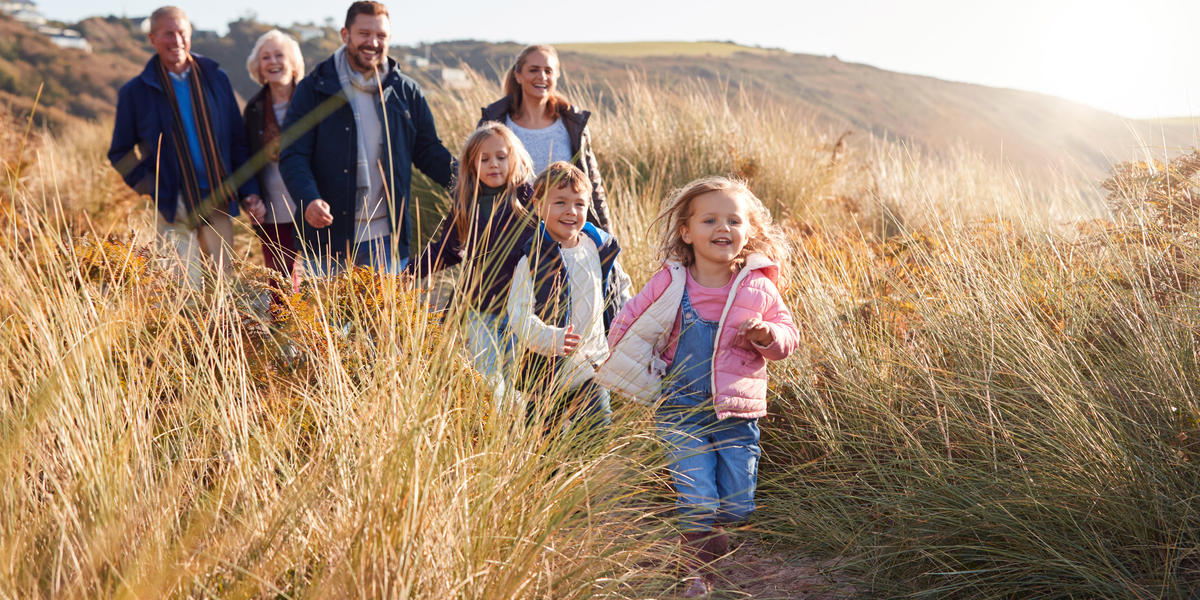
x,y
274,68
717,229
367,42
171,37
493,164
538,76
564,210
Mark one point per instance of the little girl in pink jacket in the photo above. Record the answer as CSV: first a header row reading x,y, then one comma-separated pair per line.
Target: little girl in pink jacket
x,y
697,337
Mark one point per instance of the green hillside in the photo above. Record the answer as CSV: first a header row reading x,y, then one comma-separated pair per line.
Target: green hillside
x,y
641,49
1033,133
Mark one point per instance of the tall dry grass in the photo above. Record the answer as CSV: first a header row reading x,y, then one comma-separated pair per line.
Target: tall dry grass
x,y
995,398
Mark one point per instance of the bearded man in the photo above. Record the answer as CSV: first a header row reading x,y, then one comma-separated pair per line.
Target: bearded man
x,y
357,126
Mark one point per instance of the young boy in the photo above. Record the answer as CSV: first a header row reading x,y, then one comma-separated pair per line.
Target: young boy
x,y
566,289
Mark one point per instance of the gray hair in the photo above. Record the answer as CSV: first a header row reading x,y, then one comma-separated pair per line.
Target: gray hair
x,y
166,11
291,49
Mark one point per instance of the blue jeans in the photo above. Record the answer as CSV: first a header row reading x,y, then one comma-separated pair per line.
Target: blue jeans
x,y
376,254
714,464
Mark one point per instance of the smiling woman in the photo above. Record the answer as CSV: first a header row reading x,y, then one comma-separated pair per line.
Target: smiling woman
x,y
276,64
546,123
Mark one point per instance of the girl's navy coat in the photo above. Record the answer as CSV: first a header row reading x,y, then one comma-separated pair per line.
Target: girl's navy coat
x,y
320,152
509,233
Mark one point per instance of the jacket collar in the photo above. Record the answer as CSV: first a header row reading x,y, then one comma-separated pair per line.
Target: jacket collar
x,y
260,99
149,74
326,78
754,262
761,262
499,109
598,236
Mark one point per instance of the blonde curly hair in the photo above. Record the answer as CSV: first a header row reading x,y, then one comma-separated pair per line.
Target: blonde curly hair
x,y
764,236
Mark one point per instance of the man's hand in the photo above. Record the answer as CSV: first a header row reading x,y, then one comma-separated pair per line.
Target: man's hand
x,y
755,331
570,340
317,214
255,208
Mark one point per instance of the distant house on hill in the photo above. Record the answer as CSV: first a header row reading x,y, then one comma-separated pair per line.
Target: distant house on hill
x,y
24,11
308,32
454,79
65,38
11,6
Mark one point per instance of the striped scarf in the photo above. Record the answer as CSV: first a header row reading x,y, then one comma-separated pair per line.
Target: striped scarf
x,y
222,190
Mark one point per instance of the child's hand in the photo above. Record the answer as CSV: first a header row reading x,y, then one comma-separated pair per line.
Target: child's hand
x,y
571,340
755,331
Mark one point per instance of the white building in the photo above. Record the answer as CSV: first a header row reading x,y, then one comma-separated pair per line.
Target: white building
x,y
65,38
26,12
454,79
12,6
308,32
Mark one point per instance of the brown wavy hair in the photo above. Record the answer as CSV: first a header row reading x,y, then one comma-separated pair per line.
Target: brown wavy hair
x,y
764,236
466,193
561,174
512,89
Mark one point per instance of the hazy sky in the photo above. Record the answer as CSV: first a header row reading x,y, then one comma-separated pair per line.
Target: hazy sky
x,y
1135,58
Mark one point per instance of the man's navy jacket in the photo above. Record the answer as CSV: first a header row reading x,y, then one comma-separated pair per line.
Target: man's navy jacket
x,y
144,117
321,150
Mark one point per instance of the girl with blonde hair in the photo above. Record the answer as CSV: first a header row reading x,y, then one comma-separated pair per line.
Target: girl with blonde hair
x,y
696,340
485,227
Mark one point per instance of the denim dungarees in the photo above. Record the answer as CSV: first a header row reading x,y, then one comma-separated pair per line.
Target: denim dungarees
x,y
714,463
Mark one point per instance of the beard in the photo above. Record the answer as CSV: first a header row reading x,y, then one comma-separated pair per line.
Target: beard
x,y
361,62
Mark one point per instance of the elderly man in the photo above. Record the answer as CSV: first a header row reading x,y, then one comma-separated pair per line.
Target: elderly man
x,y
360,126
179,137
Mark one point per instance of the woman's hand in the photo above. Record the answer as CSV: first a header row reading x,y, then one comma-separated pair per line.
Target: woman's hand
x,y
756,331
255,207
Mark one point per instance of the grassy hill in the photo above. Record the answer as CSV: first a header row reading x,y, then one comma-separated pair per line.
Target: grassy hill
x,y
1033,133
982,405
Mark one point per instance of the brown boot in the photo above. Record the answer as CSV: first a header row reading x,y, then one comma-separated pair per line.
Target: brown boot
x,y
697,561
719,542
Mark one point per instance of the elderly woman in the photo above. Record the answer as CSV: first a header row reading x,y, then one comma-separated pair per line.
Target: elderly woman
x,y
275,63
546,123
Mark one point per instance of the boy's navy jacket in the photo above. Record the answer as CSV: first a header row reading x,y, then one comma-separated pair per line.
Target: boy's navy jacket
x,y
320,150
552,294
144,117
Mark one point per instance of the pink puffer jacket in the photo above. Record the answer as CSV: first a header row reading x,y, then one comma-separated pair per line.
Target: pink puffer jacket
x,y
642,339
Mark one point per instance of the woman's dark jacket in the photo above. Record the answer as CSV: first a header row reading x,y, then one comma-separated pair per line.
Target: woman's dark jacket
x,y
581,148
491,264
255,116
